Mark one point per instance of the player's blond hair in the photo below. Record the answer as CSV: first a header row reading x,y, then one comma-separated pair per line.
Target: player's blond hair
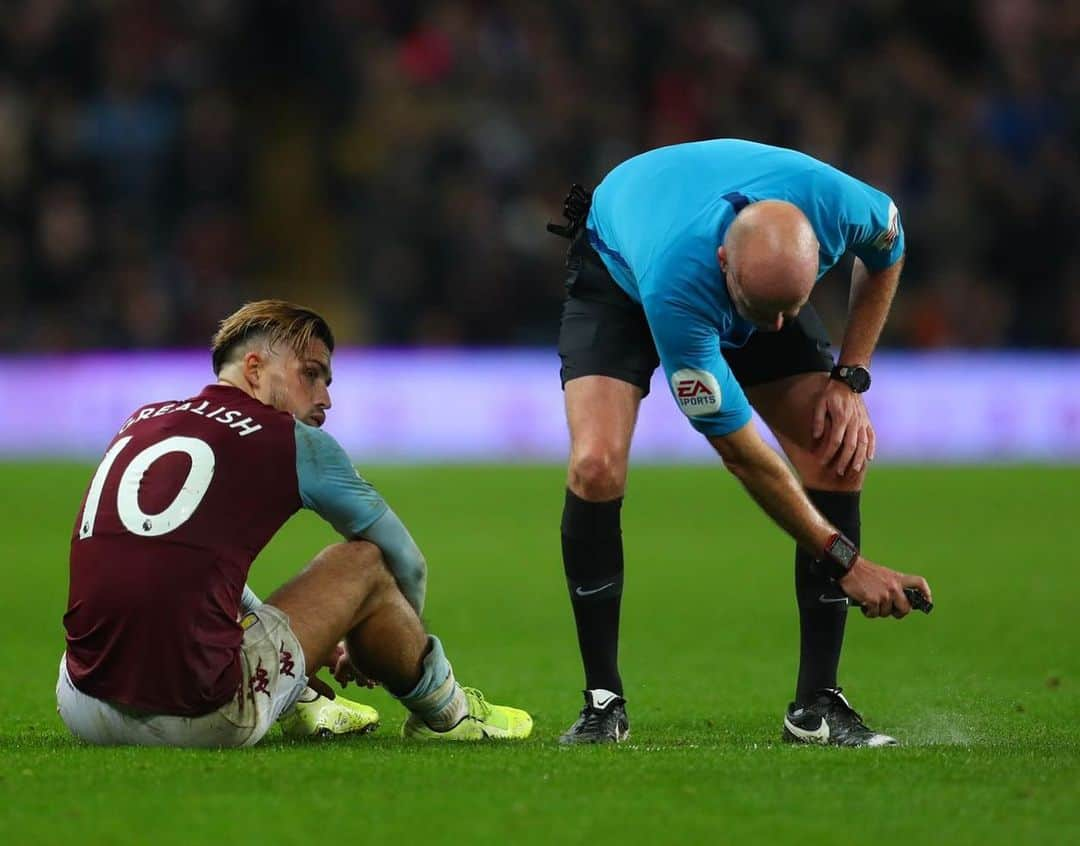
x,y
276,321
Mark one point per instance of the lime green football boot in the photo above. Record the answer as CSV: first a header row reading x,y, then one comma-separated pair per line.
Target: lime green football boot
x,y
483,722
323,717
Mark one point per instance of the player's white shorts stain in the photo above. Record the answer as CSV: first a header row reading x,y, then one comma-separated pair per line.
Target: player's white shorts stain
x,y
273,677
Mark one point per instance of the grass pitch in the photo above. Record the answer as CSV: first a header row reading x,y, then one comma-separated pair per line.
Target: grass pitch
x,y
985,693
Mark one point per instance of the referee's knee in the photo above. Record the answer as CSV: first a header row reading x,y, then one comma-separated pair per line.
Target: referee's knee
x,y
597,474
825,478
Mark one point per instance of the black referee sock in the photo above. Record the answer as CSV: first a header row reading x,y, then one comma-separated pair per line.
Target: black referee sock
x,y
593,562
821,624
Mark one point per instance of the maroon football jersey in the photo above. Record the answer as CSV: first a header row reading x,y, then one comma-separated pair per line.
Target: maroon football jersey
x,y
186,496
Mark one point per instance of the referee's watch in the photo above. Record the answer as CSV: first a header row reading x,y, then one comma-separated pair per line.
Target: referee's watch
x,y
855,376
839,558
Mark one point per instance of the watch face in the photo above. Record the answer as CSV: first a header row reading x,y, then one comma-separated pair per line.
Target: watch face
x,y
843,552
859,379
855,376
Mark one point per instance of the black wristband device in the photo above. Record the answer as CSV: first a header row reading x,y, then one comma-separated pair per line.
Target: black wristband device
x,y
855,376
839,557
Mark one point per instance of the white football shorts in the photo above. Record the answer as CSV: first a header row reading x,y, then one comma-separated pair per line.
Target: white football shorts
x,y
273,678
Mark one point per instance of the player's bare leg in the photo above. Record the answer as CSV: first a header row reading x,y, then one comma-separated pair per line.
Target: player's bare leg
x,y
787,406
601,413
348,592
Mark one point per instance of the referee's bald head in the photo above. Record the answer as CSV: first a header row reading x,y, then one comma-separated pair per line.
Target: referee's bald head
x,y
770,257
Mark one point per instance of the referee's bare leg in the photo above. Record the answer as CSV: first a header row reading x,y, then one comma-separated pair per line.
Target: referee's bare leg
x,y
601,412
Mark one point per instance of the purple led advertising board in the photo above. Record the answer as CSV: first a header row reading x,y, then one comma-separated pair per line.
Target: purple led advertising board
x,y
506,405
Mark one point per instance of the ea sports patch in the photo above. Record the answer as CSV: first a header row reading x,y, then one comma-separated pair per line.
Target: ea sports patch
x,y
696,391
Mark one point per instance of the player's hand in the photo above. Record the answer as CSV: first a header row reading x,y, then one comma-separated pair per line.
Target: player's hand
x,y
344,671
879,590
332,660
842,429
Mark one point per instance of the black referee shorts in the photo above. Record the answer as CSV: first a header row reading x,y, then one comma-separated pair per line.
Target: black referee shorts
x,y
605,333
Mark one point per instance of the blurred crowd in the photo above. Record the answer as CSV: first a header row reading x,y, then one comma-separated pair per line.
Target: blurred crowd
x,y
394,162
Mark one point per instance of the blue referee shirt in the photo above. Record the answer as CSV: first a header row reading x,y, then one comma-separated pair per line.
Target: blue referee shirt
x,y
657,219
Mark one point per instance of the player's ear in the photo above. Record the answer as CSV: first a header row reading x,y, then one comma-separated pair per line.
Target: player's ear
x,y
721,257
253,368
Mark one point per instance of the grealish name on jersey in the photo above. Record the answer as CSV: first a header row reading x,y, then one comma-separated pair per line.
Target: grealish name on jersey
x,y
245,426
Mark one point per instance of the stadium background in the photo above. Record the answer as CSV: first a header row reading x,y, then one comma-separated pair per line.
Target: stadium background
x,y
393,164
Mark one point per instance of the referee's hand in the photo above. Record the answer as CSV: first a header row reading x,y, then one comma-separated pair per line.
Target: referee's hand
x,y
844,437
879,590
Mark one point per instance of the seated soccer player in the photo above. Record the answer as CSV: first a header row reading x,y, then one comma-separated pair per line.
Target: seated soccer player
x,y
165,643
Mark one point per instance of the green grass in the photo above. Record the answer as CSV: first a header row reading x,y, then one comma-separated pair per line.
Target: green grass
x,y
985,692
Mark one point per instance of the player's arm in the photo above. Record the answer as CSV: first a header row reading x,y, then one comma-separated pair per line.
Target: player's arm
x,y
331,487
404,557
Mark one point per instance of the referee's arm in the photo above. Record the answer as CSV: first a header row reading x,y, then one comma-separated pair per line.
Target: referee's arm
x,y
776,489
872,293
769,480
